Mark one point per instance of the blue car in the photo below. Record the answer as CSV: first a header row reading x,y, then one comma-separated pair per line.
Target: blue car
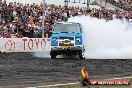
x,y
67,39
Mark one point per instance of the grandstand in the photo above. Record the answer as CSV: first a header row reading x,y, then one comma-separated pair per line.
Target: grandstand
x,y
26,19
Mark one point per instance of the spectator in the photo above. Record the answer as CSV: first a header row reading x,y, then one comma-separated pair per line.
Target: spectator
x,y
27,19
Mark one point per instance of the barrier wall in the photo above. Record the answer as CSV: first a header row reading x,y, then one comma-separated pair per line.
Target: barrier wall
x,y
24,44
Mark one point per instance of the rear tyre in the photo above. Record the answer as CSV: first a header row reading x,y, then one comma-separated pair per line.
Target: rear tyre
x,y
81,55
84,82
53,55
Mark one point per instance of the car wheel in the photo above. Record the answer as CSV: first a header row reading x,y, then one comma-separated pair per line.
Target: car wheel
x,y
81,55
53,55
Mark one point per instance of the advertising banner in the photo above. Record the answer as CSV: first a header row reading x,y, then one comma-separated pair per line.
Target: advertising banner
x,y
24,44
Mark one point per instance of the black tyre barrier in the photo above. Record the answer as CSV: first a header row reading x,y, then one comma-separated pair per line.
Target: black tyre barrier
x,y
85,82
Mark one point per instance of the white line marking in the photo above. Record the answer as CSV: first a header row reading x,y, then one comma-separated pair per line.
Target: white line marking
x,y
55,85
121,78
58,85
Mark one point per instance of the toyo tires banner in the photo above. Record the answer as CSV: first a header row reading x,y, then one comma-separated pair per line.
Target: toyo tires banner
x,y
24,44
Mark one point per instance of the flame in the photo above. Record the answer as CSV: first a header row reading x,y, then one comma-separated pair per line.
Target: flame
x,y
84,73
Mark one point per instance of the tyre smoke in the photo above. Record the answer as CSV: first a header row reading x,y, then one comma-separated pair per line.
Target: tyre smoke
x,y
106,40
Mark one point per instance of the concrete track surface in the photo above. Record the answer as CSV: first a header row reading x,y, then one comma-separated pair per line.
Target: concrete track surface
x,y
19,70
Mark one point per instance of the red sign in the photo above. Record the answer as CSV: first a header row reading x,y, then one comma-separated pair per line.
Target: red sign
x,y
34,43
10,45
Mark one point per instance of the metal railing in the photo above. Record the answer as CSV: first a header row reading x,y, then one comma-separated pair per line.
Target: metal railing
x,y
77,1
121,5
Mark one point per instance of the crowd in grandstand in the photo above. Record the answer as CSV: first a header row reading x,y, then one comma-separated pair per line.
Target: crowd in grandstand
x,y
124,4
26,19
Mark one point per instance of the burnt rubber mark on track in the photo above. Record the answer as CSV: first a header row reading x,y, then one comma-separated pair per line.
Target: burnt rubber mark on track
x,y
23,68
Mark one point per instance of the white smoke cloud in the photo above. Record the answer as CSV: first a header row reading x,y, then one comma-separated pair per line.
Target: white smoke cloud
x,y
106,40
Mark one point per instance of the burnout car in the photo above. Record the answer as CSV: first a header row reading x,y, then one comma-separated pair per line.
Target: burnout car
x,y
67,38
